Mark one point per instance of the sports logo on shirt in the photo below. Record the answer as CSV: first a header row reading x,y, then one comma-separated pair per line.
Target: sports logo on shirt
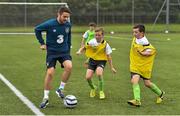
x,y
67,30
47,64
60,39
54,30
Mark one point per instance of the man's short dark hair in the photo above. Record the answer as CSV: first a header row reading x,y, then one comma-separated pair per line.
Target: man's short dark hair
x,y
141,27
64,9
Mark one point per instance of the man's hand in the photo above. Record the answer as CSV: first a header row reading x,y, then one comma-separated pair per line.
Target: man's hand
x,y
43,47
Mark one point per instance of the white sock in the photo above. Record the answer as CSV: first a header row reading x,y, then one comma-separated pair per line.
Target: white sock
x,y
46,94
62,85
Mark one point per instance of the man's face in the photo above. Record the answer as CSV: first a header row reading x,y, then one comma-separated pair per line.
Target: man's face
x,y
62,18
99,36
137,33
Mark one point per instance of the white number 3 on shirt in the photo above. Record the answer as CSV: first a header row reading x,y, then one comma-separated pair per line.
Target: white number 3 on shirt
x,y
60,39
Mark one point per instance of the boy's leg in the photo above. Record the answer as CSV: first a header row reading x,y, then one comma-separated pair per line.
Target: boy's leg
x,y
89,75
99,72
136,90
155,89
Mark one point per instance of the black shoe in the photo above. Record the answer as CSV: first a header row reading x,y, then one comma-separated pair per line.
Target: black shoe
x,y
44,103
60,93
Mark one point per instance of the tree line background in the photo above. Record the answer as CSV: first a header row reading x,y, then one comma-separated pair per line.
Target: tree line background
x,y
85,11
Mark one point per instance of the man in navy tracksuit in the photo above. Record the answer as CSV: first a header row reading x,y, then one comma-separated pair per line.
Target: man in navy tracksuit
x,y
58,43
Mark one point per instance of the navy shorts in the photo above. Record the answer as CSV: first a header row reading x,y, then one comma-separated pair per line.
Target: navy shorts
x,y
52,59
93,64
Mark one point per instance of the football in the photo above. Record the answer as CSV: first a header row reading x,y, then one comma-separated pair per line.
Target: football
x,y
70,101
112,32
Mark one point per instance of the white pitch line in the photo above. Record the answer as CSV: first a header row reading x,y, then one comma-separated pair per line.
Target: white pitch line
x,y
14,33
24,99
117,37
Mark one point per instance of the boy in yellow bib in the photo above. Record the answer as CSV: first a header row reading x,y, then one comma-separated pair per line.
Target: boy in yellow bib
x,y
99,52
142,56
87,36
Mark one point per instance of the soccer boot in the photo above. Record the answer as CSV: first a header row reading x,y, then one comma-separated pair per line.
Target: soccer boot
x,y
93,92
160,98
44,103
60,93
134,102
101,95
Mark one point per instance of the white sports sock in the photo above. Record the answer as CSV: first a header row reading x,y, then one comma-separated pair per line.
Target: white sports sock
x,y
46,94
62,85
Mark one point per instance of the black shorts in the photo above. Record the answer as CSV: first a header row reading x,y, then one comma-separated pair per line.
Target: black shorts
x,y
52,59
93,64
132,73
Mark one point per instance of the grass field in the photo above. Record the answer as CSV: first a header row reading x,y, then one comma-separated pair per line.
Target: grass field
x,y
23,64
117,28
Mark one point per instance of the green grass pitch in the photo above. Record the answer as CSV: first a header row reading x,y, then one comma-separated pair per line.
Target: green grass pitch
x,y
23,64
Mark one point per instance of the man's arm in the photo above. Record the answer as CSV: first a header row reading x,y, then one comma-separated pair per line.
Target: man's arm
x,y
69,39
38,32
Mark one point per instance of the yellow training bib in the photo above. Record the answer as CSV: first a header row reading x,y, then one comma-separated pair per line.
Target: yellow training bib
x,y
141,64
96,52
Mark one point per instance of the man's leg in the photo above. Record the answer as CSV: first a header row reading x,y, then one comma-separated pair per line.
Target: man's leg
x,y
48,78
47,86
67,70
65,77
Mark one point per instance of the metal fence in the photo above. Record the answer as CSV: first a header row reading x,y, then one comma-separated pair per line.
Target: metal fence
x,y
84,11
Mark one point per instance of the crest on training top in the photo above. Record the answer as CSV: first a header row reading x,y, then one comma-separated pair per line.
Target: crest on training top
x,y
67,30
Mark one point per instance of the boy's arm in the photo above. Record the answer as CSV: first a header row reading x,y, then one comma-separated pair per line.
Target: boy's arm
x,y
80,50
109,58
82,42
147,52
82,45
110,63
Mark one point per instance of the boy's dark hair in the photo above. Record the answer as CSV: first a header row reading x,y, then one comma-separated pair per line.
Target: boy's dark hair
x,y
92,24
64,9
141,27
